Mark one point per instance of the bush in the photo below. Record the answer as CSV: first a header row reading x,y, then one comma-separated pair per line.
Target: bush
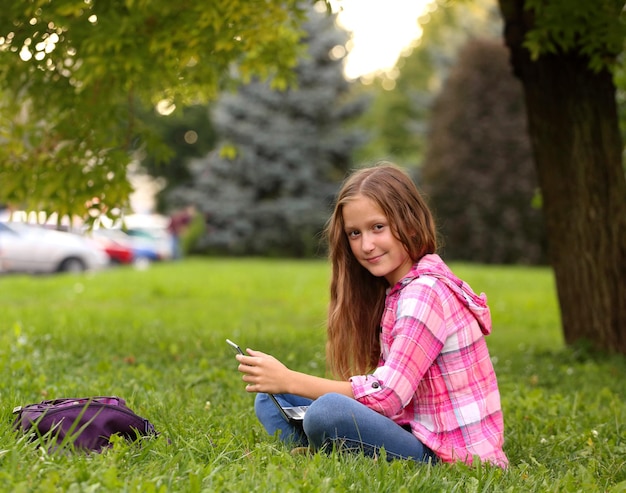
x,y
478,171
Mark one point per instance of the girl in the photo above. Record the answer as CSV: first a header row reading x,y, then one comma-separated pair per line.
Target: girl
x,y
406,341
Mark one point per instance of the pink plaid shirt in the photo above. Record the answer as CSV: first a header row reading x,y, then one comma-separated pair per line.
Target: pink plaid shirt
x,y
435,373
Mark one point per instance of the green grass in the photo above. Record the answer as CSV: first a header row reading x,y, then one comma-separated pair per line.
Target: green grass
x,y
156,338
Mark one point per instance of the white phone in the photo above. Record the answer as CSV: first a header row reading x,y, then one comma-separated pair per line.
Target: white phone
x,y
234,346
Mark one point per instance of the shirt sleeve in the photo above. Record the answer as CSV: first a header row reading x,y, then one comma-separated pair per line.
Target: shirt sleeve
x,y
415,338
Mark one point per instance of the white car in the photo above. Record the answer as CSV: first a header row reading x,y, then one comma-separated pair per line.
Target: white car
x,y
36,249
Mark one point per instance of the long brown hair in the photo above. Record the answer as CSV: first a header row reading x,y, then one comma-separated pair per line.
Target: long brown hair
x,y
357,297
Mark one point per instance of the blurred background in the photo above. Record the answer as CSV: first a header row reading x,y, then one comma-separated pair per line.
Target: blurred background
x,y
253,170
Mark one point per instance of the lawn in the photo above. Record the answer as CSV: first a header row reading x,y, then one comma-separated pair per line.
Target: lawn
x,y
156,338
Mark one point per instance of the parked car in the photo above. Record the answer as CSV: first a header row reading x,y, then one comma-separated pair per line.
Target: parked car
x,y
152,231
137,247
116,244
36,249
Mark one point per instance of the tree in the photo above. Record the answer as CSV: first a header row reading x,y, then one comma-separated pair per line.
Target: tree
x,y
478,171
72,74
283,155
564,52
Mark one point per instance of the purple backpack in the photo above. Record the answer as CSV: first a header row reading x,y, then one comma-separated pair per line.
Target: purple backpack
x,y
86,423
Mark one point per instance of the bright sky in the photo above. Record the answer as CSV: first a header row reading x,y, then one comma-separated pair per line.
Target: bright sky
x,y
381,30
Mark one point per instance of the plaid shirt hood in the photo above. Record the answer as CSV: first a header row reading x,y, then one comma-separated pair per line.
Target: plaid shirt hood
x,y
433,265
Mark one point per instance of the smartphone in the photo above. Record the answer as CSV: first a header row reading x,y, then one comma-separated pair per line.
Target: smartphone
x,y
293,415
234,346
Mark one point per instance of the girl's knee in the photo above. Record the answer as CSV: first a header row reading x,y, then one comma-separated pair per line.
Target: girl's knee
x,y
262,405
327,413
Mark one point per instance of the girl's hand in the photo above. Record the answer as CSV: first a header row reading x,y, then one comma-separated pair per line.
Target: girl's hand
x,y
263,373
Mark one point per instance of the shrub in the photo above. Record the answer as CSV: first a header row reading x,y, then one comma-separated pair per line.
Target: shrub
x,y
478,171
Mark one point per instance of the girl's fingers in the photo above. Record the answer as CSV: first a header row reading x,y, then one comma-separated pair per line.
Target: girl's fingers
x,y
252,352
246,360
247,369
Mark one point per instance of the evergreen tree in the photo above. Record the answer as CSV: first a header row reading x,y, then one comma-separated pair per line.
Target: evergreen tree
x,y
478,171
283,154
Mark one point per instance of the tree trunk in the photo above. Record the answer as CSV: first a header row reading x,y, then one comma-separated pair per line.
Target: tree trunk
x,y
574,130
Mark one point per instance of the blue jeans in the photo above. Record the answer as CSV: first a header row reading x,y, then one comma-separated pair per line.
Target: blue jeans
x,y
335,420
